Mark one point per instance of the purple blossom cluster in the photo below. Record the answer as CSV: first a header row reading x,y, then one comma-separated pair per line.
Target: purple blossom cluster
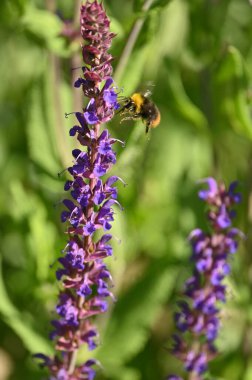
x,y
85,280
198,317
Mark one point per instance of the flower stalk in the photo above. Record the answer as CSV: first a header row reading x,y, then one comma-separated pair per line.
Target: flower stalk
x,y
84,279
198,317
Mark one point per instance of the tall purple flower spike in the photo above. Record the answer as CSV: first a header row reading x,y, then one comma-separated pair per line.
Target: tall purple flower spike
x,y
85,279
197,319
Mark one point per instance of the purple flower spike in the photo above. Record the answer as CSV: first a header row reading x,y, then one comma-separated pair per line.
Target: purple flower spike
x,y
197,319
85,281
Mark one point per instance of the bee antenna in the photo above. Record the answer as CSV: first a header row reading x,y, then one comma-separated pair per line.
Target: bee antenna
x,y
76,68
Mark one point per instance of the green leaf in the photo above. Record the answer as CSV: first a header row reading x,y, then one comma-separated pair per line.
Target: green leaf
x,y
232,330
182,102
133,71
42,23
133,62
39,129
123,373
160,4
41,249
232,87
22,203
134,313
132,154
47,27
12,10
48,137
248,371
137,5
28,205
233,368
167,42
32,341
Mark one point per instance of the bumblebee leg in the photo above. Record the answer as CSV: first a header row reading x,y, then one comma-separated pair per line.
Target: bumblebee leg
x,y
126,109
147,128
121,110
130,118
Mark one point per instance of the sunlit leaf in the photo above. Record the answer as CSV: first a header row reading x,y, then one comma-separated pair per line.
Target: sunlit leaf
x,y
160,4
182,102
47,131
12,317
42,23
248,373
41,149
134,313
137,5
232,92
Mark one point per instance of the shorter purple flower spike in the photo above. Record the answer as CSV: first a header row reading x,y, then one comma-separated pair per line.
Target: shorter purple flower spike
x,y
197,319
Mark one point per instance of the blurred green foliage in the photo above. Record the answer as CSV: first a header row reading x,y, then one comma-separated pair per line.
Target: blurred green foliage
x,y
199,56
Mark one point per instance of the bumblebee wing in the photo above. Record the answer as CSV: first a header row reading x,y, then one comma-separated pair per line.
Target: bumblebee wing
x,y
147,93
150,83
146,88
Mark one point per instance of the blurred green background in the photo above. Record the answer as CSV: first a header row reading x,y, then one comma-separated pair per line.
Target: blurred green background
x,y
198,55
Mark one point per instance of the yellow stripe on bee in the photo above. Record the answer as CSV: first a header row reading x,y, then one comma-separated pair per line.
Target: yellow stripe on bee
x,y
138,100
156,122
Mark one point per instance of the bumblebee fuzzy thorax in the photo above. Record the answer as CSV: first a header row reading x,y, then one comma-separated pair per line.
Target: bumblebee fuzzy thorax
x,y
139,106
138,100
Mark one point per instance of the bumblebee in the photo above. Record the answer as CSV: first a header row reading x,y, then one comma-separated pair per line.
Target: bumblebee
x,y
139,106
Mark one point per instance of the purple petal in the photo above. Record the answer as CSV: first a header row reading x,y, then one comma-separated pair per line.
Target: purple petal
x,y
108,83
212,188
81,119
91,117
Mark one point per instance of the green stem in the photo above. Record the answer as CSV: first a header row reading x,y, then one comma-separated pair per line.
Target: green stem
x,y
135,30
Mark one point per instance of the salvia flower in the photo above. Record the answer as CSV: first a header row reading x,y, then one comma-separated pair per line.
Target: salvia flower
x,y
197,319
85,279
